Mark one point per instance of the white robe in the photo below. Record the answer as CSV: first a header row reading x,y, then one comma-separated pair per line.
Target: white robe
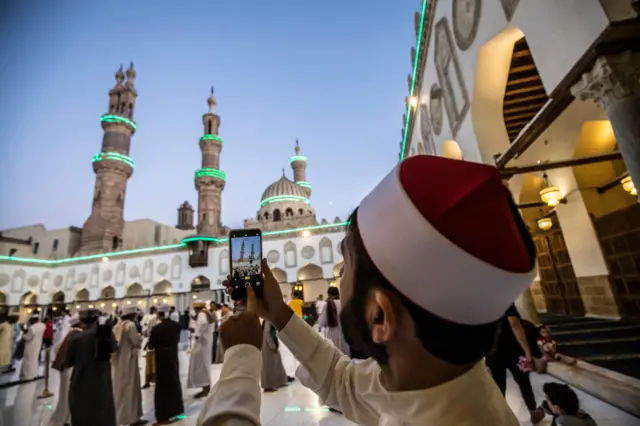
x,y
125,374
61,415
333,333
33,344
354,388
200,361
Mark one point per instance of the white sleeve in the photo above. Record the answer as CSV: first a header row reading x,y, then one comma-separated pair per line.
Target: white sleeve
x,y
201,324
339,382
235,399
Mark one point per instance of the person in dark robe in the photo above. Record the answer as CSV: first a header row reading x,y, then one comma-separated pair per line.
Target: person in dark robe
x,y
164,339
90,391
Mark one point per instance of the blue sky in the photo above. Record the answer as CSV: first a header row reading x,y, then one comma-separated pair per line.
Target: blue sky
x,y
331,73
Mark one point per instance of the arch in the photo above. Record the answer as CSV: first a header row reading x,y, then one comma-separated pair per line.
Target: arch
x,y
200,283
82,295
224,262
266,215
492,73
162,287
279,275
58,297
277,216
288,212
3,299
326,250
451,149
134,290
310,272
29,298
301,212
108,293
337,269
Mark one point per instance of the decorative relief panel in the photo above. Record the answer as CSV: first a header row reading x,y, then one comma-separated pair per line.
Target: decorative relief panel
x,y
5,279
17,281
71,279
94,277
509,7
326,251
33,281
120,274
57,281
435,109
224,262
134,272
147,271
454,91
425,132
162,269
44,282
176,267
107,275
82,278
466,18
308,252
273,256
290,255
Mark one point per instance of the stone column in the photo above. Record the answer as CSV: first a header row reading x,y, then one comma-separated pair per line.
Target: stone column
x,y
614,84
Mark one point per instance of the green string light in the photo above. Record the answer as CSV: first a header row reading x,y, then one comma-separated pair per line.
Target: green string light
x,y
113,156
297,158
210,137
303,184
110,118
214,173
413,80
284,198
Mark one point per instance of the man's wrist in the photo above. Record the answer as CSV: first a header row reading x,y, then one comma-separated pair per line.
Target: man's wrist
x,y
282,316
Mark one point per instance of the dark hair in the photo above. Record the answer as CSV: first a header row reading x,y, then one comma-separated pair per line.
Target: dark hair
x,y
456,344
333,292
297,294
563,396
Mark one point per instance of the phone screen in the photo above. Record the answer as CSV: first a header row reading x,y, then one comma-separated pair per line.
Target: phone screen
x,y
246,262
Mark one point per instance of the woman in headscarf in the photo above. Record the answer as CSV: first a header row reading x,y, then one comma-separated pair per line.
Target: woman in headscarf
x,y
61,416
329,320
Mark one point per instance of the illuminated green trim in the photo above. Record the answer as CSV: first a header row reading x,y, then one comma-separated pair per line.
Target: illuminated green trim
x,y
92,256
214,173
297,158
303,184
285,231
110,118
210,137
281,198
413,80
115,157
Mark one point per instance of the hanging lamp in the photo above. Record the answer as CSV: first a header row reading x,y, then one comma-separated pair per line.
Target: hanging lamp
x,y
544,223
549,194
627,185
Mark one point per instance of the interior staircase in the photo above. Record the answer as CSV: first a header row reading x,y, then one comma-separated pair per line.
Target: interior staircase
x,y
614,345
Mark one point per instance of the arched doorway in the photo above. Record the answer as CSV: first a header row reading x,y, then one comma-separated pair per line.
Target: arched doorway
x,y
557,279
28,305
312,280
162,293
135,294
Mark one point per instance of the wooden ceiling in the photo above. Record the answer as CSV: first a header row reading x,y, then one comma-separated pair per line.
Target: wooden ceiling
x,y
524,95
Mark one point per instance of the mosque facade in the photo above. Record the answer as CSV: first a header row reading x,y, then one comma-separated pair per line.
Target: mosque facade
x,y
109,262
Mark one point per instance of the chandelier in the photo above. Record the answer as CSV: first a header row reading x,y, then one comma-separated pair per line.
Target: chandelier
x,y
549,194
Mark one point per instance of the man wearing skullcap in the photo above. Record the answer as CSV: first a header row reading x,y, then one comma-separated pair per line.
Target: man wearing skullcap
x,y
33,335
61,415
433,258
91,391
200,361
125,369
164,341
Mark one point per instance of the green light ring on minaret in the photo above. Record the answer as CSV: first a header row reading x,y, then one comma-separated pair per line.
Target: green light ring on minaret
x,y
214,173
303,184
284,198
210,137
111,118
297,158
113,156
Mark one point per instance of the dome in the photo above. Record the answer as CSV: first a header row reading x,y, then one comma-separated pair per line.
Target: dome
x,y
284,187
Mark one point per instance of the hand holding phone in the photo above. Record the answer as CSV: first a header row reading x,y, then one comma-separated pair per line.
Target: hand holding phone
x,y
245,247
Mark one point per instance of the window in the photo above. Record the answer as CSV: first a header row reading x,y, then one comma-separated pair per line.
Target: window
x,y
276,215
36,246
209,127
300,212
12,251
115,242
288,212
55,245
130,110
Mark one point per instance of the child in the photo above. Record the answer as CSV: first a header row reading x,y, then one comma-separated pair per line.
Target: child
x,y
562,403
547,346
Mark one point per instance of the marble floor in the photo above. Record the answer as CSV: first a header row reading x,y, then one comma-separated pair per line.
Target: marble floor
x,y
293,405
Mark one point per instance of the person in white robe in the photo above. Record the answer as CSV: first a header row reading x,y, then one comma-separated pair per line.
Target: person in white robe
x,y
423,295
222,315
148,322
33,334
6,340
125,371
61,415
200,360
329,320
63,325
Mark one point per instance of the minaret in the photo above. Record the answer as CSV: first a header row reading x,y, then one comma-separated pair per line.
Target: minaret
x,y
210,179
299,166
102,231
185,216
242,252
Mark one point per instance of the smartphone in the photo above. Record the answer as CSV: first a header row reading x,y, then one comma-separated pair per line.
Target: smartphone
x,y
245,246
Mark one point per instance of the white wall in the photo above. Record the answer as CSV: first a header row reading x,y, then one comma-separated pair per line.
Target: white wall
x,y
68,242
558,33
150,267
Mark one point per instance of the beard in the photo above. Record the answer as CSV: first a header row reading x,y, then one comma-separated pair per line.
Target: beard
x,y
357,332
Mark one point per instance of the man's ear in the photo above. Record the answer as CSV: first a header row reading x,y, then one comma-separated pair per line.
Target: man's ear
x,y
381,316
